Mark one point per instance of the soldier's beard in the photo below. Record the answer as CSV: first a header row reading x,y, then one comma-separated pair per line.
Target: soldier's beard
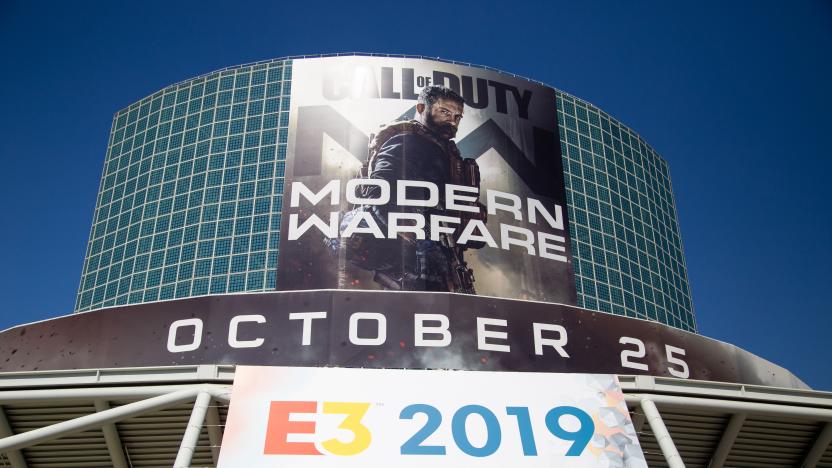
x,y
446,130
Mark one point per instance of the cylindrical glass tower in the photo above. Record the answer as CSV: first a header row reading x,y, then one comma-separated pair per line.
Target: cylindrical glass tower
x,y
191,197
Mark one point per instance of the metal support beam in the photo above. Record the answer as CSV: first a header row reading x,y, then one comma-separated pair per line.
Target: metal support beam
x,y
214,432
14,456
112,438
56,395
820,445
732,406
43,434
191,437
729,436
220,394
674,460
638,422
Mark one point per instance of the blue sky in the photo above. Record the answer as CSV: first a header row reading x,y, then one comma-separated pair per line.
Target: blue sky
x,y
734,95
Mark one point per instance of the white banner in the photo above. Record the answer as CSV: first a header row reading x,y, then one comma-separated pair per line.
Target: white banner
x,y
334,417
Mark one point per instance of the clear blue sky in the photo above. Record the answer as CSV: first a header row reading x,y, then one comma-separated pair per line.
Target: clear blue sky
x,y
735,95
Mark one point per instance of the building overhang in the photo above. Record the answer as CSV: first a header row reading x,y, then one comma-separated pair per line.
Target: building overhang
x,y
173,416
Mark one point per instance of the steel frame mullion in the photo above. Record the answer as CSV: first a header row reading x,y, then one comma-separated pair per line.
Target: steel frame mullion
x,y
638,422
729,436
15,457
214,432
654,419
112,438
106,393
731,406
818,447
191,437
43,434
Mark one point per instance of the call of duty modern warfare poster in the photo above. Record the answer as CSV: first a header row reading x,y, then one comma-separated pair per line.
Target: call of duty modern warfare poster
x,y
418,175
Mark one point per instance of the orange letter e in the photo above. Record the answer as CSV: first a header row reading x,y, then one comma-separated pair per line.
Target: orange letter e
x,y
279,427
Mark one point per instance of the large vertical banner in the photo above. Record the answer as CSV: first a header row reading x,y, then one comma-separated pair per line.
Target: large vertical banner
x,y
306,417
417,175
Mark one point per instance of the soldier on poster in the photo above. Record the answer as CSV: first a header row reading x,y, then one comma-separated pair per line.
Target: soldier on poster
x,y
421,149
416,175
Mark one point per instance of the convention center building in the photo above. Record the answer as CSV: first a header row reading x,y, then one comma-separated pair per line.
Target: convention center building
x,y
387,260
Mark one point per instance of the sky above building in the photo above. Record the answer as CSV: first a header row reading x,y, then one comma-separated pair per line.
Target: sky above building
x,y
735,96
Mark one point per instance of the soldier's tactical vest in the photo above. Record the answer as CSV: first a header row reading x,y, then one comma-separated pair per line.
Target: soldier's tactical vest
x,y
461,171
367,252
